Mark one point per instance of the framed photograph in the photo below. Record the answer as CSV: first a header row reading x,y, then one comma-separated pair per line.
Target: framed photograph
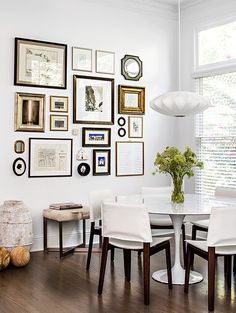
x,y
135,126
59,104
96,137
29,112
81,59
129,158
58,122
131,100
93,100
101,162
105,62
40,63
50,157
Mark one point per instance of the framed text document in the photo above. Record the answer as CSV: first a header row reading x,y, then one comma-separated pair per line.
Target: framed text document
x,y
129,158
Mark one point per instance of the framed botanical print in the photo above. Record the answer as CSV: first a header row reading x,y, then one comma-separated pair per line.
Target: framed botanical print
x,y
81,59
58,122
29,112
135,126
59,104
50,157
93,101
96,137
40,63
101,162
129,158
131,100
105,62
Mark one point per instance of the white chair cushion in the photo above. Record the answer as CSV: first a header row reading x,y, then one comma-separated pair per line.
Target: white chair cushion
x,y
133,245
202,244
201,223
155,221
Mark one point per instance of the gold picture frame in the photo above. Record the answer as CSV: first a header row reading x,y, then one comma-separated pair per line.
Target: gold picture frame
x,y
131,100
59,104
29,112
59,122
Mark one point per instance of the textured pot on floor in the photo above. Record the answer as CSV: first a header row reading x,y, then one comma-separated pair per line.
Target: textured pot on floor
x,y
15,225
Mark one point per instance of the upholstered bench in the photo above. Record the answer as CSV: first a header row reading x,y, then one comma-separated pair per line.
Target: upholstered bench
x,y
62,216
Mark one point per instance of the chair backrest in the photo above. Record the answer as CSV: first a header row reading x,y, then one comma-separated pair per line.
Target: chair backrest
x,y
95,201
225,192
156,190
130,199
126,222
222,229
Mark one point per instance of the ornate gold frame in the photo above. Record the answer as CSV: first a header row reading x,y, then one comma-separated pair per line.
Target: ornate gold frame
x,y
123,108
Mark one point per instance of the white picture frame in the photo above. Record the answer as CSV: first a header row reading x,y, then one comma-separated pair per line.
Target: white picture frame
x,y
105,62
82,59
135,127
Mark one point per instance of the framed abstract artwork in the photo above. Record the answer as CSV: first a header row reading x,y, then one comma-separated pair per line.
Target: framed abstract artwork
x,y
93,101
96,137
131,100
101,162
40,64
50,157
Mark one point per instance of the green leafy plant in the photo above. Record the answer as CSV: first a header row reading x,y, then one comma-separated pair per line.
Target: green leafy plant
x,y
177,164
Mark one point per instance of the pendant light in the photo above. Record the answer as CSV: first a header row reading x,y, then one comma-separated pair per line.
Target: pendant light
x,y
180,103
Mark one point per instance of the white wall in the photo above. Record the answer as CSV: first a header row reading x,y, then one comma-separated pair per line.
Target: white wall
x,y
151,35
205,12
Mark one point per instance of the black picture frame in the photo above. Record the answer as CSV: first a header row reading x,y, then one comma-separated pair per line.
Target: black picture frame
x,y
106,162
32,172
37,43
121,121
19,167
86,130
121,132
83,169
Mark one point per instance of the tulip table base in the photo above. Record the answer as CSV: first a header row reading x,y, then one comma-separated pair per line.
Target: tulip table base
x,y
178,272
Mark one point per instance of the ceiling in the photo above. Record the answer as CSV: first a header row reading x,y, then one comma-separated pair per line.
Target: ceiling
x,y
172,1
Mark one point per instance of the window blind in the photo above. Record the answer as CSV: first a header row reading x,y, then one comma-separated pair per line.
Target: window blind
x,y
215,133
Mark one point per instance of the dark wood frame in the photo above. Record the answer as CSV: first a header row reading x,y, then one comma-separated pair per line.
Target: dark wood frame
x,y
130,142
16,58
140,91
57,115
125,73
60,111
15,144
71,157
111,80
129,126
85,129
95,151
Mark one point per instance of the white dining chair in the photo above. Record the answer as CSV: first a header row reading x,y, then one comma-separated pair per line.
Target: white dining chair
x,y
202,225
221,241
95,201
161,222
127,227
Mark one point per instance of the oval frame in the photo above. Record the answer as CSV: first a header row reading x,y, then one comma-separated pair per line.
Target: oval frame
x,y
121,132
125,73
16,169
121,121
87,169
23,146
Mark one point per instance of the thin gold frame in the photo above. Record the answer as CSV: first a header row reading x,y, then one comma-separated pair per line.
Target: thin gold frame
x,y
58,110
56,115
129,126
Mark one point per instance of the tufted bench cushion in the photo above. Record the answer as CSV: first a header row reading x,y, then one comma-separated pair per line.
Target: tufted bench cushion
x,y
67,215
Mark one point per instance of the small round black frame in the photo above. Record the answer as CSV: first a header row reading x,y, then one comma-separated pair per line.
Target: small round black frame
x,y
121,132
83,169
19,167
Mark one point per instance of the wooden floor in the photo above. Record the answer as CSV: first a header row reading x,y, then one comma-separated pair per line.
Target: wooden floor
x,y
48,285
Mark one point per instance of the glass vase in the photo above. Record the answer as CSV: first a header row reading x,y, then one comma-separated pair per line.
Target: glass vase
x,y
177,194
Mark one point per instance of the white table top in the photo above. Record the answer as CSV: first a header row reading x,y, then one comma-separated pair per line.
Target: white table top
x,y
193,204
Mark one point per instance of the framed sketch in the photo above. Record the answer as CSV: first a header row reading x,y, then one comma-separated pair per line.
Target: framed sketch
x,y
50,157
135,126
59,122
29,112
93,100
129,158
96,137
19,146
131,100
105,62
81,59
101,162
59,104
40,63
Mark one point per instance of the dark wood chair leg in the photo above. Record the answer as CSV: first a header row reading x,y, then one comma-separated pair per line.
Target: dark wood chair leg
x,y
103,264
100,236
45,234
60,240
228,269
127,263
84,233
139,253
234,266
188,266
146,272
194,237
211,278
90,245
184,244
112,254
168,264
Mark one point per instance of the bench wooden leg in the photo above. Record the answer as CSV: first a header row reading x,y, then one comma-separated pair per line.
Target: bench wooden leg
x,y
60,240
45,234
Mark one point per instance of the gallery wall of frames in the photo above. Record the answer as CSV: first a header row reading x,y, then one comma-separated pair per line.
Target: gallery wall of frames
x,y
94,108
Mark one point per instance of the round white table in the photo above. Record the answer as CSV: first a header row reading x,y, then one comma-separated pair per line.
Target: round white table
x,y
193,205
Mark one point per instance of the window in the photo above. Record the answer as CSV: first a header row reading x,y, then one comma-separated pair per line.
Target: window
x,y
215,133
216,45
